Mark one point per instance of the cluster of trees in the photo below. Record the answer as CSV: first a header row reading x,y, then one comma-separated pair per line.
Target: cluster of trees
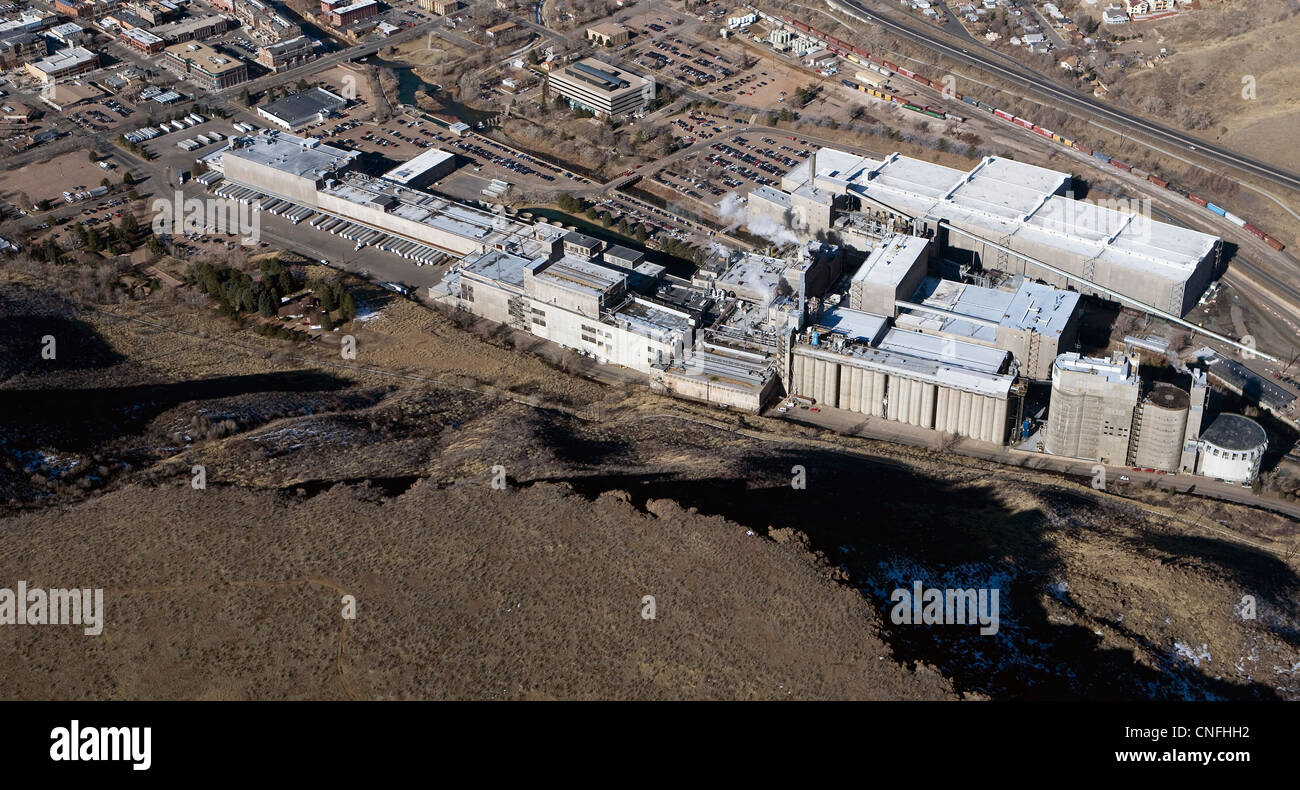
x,y
279,332
573,205
238,292
631,229
680,249
334,297
116,239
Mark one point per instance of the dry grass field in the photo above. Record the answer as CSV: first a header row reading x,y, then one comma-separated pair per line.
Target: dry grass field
x,y
325,479
1216,53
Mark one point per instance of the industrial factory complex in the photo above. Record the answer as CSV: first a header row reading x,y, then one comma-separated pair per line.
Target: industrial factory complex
x,y
862,315
999,215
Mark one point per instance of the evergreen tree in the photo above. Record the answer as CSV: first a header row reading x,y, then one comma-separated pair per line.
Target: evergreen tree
x,y
347,306
265,306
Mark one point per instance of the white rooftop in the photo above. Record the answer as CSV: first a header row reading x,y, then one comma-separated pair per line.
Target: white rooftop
x,y
421,164
1119,372
889,263
300,156
1001,197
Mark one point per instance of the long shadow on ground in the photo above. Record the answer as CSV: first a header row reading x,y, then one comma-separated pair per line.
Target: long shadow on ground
x,y
888,528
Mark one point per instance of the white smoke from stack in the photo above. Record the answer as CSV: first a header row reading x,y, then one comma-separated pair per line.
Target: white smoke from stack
x,y
771,230
731,211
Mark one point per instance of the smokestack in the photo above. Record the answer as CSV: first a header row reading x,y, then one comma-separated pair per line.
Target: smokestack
x,y
812,169
803,300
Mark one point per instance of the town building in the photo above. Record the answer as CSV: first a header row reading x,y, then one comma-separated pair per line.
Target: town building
x,y
287,54
608,34
302,109
63,64
205,66
69,34
193,29
440,7
19,48
142,40
349,13
602,89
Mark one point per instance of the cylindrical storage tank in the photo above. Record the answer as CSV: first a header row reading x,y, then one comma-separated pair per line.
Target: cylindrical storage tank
x,y
1161,424
988,430
927,405
879,386
856,379
914,394
844,400
1000,420
1231,449
943,410
963,414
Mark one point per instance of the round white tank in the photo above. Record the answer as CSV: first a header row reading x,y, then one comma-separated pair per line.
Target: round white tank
x,y
1231,449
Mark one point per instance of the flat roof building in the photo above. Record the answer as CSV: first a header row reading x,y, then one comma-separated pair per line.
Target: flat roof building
x,y
429,166
196,28
602,89
893,271
342,15
608,34
1029,210
287,54
281,164
1092,405
142,40
65,63
205,66
302,109
1035,322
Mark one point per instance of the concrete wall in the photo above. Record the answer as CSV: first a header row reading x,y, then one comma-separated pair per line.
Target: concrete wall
x,y
925,404
259,176
683,385
1091,418
392,223
1159,443
615,344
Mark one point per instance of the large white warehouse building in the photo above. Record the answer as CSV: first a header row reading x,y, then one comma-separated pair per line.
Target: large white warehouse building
x,y
1022,207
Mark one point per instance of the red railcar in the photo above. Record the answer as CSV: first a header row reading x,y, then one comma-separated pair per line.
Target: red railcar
x,y
1160,182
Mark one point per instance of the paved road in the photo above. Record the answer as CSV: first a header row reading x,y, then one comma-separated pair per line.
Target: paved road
x,y
981,57
885,430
